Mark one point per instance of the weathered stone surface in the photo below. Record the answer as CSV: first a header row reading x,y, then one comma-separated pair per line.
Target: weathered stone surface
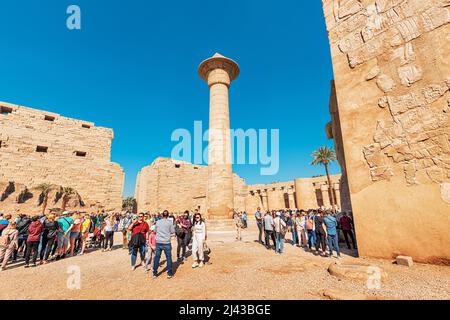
x,y
395,128
74,154
409,74
385,83
178,186
404,261
356,271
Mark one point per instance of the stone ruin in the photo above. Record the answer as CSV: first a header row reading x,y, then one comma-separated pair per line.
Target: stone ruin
x,y
42,147
390,111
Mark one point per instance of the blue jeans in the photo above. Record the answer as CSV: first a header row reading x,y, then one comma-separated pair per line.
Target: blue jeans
x,y
333,241
134,252
311,238
294,235
167,248
279,246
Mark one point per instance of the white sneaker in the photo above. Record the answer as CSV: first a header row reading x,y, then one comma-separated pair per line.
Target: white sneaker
x,y
195,265
201,264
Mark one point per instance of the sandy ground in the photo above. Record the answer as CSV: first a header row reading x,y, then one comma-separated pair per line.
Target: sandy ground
x,y
236,270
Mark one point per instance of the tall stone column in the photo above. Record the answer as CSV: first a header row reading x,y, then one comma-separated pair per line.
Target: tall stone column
x,y
325,195
265,200
291,198
218,71
337,192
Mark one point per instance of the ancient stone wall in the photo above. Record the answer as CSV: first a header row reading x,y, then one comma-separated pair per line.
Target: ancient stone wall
x,y
178,186
42,147
392,78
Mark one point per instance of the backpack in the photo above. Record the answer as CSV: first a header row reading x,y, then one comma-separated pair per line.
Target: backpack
x,y
5,240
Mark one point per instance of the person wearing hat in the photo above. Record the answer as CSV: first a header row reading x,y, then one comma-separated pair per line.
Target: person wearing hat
x,y
65,224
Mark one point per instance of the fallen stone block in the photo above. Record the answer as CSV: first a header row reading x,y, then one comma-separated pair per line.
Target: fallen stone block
x,y
356,271
404,261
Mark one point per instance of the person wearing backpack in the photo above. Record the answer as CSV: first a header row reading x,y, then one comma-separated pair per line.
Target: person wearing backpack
x,y
280,233
48,237
8,243
22,227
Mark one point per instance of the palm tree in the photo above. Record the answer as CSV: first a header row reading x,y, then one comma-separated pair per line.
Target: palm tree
x,y
66,193
324,156
129,204
45,189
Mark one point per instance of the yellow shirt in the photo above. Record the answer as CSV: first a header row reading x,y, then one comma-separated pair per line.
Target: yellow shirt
x,y
86,225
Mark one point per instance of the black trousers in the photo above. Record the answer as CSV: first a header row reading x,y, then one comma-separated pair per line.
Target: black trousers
x,y
270,234
109,238
348,233
320,241
47,247
182,243
260,228
31,246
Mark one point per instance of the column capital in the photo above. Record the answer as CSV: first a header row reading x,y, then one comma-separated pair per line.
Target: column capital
x,y
212,70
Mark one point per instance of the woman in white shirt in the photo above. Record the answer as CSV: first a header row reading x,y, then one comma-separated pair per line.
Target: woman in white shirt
x,y
198,238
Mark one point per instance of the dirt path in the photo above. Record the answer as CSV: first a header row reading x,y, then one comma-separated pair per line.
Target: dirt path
x,y
236,270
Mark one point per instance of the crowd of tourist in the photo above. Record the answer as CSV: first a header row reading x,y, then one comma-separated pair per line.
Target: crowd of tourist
x,y
53,237
57,236
317,231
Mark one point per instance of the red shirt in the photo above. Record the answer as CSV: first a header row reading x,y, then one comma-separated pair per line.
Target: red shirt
x,y
346,223
141,227
34,231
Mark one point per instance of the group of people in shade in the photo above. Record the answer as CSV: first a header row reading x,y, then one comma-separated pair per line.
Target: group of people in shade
x,y
53,237
317,231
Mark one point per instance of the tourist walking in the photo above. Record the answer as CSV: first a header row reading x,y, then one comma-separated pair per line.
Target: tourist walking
x,y
259,223
347,228
139,230
164,229
332,237
34,235
268,230
8,243
280,228
199,238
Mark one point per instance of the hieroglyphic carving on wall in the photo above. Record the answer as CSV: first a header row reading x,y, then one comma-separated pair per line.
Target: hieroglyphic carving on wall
x,y
389,34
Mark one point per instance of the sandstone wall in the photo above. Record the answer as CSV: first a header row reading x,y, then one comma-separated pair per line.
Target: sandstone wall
x,y
42,147
302,193
392,77
178,186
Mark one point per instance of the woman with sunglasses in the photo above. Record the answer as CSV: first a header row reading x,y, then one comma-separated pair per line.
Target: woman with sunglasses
x,y
139,230
198,238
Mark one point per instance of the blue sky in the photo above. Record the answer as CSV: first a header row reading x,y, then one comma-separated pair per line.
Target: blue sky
x,y
133,67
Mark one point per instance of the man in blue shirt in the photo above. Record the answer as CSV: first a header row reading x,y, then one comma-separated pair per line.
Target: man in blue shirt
x,y
330,223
